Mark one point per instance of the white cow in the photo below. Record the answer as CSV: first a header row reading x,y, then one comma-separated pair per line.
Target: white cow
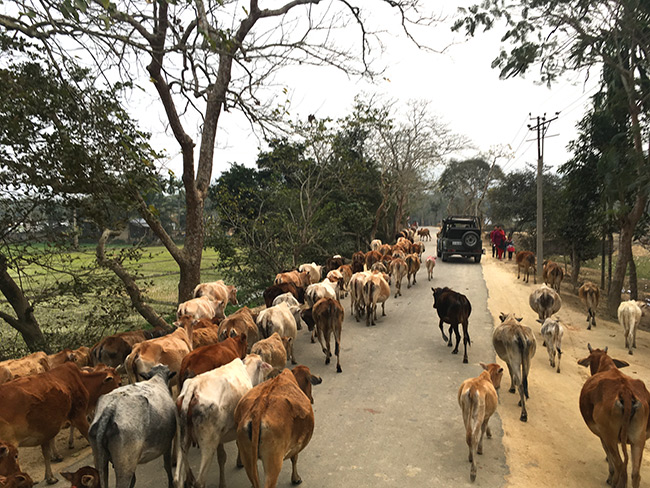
x,y
202,307
629,316
283,320
552,332
314,271
206,407
287,298
324,289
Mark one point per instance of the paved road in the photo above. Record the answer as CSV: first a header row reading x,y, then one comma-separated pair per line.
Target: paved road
x,y
391,418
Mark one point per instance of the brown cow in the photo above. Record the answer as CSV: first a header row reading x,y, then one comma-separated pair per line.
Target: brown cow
x,y
545,301
334,262
375,290
346,271
398,270
84,477
35,407
358,261
372,257
589,293
386,249
275,421
295,277
168,350
113,350
328,317
412,266
615,407
273,350
237,323
516,345
204,332
430,264
553,275
273,291
5,374
16,480
424,234
32,364
478,400
217,290
453,308
405,244
526,261
211,357
8,459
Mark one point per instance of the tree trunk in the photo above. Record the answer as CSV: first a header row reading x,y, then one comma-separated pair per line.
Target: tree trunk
x,y
610,253
603,252
575,267
624,256
148,313
634,285
24,322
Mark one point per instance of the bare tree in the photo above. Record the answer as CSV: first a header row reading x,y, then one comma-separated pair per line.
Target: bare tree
x,y
203,58
408,149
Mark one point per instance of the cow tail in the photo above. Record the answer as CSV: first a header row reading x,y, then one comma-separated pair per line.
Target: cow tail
x,y
627,399
129,365
473,415
524,348
98,435
254,431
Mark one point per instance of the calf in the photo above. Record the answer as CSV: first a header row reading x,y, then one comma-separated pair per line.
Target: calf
x,y
553,275
629,316
211,357
375,290
430,263
133,425
412,267
8,459
453,308
169,350
545,302
552,332
526,261
206,407
16,480
275,421
217,291
615,407
273,350
35,407
398,270
238,323
589,293
478,400
328,317
515,344
280,319
84,477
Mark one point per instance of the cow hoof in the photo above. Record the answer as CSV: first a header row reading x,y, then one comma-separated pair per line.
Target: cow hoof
x,y
472,477
338,369
454,352
523,418
327,360
630,352
589,328
511,390
51,481
465,360
297,482
58,459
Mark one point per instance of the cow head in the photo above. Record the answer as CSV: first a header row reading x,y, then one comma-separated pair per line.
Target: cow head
x,y
16,480
232,295
305,380
598,360
86,477
8,459
496,373
161,370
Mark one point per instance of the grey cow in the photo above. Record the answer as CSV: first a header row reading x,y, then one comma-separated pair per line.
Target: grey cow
x,y
133,425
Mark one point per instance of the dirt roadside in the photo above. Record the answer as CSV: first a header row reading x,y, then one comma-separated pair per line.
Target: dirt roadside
x,y
555,445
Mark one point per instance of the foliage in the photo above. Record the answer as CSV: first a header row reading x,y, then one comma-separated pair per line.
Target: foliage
x,y
463,183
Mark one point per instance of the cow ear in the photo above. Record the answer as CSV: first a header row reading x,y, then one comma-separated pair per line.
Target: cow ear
x,y
171,375
519,319
620,364
87,480
585,361
590,348
67,476
483,365
502,316
108,379
315,380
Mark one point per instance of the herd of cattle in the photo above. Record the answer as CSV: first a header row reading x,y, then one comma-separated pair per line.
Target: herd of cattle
x,y
215,379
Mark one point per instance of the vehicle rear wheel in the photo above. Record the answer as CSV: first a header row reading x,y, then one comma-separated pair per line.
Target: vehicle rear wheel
x,y
477,259
445,257
470,239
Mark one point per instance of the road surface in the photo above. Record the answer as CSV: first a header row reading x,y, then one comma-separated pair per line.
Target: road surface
x,y
391,418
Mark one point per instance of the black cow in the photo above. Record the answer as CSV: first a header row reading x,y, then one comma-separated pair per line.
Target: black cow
x,y
335,262
274,291
453,308
358,261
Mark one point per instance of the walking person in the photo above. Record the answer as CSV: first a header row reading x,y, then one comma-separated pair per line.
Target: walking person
x,y
494,247
499,241
510,247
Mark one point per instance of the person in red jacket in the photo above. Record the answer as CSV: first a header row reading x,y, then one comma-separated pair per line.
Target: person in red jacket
x,y
494,248
500,241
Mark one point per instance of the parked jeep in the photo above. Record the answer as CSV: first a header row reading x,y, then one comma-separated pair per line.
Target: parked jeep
x,y
460,235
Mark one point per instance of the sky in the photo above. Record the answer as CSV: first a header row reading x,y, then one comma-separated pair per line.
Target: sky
x,y
459,84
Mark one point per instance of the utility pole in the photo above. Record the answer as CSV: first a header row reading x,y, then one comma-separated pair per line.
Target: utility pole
x,y
541,128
